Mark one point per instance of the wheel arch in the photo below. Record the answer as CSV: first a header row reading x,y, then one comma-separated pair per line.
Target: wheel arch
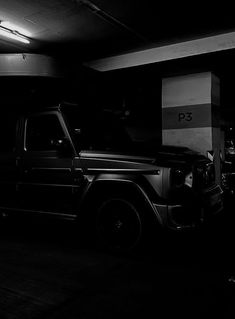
x,y
110,184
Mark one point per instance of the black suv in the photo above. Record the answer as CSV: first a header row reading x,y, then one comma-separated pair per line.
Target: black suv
x,y
65,163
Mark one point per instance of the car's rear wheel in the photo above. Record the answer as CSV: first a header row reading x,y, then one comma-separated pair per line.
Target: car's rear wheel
x,y
118,225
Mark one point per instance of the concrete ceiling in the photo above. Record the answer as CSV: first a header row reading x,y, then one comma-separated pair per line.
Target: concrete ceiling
x,y
98,28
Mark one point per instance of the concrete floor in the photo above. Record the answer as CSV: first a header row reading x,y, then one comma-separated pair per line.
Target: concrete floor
x,y
46,272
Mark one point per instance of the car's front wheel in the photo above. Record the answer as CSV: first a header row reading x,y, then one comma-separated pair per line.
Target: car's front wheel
x,y
118,224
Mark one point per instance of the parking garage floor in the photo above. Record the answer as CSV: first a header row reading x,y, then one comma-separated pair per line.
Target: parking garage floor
x,y
47,272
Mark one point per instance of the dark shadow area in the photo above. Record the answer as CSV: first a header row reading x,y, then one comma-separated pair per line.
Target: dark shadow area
x,y
48,271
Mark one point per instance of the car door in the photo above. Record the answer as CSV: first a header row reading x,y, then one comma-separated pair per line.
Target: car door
x,y
47,178
8,159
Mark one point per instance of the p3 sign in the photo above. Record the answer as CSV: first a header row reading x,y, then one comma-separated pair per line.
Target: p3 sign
x,y
185,116
188,116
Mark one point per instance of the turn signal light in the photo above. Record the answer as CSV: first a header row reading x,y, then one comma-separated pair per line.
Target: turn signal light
x,y
177,177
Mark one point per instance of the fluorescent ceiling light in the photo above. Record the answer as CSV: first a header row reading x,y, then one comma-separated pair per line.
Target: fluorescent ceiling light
x,y
10,26
12,34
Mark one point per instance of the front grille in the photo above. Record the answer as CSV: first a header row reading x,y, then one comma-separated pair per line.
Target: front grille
x,y
184,216
203,175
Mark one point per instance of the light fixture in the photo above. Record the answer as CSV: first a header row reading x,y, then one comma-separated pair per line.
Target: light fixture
x,y
12,26
12,34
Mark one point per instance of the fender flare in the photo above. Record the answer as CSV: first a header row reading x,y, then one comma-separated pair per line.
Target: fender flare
x,y
114,183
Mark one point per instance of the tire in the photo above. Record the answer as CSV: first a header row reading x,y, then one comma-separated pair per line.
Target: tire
x,y
119,225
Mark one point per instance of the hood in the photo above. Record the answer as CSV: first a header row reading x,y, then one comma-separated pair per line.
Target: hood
x,y
177,156
165,156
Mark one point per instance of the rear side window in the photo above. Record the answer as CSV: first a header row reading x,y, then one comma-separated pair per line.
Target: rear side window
x,y
8,132
42,131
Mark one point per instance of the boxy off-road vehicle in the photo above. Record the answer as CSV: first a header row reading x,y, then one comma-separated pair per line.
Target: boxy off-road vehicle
x,y
61,162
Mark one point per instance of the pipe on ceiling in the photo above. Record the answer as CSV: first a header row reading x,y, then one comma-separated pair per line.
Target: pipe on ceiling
x,y
110,18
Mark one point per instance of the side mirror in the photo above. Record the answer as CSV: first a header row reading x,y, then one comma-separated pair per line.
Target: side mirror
x,y
63,146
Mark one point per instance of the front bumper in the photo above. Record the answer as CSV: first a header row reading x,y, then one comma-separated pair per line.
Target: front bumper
x,y
184,217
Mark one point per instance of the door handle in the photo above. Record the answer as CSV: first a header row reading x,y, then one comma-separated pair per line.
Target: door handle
x,y
17,161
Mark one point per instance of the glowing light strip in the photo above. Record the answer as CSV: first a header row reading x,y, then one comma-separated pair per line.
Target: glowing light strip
x,y
13,35
10,26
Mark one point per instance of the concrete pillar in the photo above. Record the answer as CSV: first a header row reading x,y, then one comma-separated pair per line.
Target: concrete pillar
x,y
190,114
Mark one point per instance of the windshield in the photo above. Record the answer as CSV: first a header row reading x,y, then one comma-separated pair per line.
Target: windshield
x,y
108,130
97,130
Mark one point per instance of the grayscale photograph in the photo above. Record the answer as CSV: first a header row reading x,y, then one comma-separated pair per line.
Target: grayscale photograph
x,y
117,159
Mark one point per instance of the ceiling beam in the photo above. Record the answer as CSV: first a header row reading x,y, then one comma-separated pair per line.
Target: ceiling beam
x,y
204,45
29,64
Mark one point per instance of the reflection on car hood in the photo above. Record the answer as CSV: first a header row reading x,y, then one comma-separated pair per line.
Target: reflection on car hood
x,y
166,156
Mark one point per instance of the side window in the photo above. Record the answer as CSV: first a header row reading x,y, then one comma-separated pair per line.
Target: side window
x,y
8,132
42,132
